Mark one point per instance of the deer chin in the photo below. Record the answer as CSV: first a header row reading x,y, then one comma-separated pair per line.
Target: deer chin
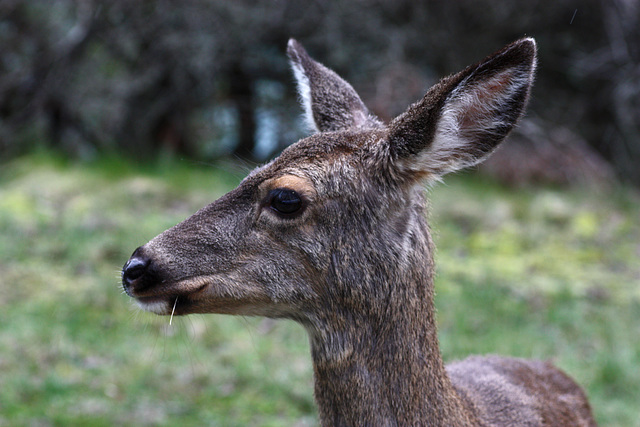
x,y
165,305
160,306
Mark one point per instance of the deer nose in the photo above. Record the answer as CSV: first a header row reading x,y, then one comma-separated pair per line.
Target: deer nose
x,y
135,273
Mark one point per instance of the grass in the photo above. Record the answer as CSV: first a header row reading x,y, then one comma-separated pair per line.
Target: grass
x,y
535,272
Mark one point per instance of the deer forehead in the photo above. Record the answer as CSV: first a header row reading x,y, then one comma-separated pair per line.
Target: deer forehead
x,y
310,164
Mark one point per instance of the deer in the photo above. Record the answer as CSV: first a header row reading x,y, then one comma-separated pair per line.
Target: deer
x,y
333,234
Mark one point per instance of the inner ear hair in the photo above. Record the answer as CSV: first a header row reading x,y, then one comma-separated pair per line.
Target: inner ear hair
x,y
463,118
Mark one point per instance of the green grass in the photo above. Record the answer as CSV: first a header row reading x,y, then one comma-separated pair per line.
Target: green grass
x,y
535,272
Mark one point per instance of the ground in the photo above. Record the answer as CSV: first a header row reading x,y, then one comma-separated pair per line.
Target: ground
x,y
532,271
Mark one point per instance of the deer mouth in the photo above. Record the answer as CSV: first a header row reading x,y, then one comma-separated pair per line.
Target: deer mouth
x,y
221,292
142,280
164,303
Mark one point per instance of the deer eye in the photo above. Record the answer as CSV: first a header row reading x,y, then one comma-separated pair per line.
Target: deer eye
x,y
285,201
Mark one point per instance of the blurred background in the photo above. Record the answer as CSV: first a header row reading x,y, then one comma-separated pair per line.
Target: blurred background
x,y
206,79
120,118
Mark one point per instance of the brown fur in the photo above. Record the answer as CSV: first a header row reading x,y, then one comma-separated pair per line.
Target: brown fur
x,y
353,262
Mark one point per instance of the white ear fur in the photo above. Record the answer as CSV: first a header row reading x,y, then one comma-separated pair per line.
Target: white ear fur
x,y
477,113
304,92
330,103
468,112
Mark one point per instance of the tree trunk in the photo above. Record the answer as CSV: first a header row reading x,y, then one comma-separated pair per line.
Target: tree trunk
x,y
242,94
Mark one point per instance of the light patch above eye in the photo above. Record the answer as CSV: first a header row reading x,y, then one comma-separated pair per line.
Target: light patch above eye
x,y
302,186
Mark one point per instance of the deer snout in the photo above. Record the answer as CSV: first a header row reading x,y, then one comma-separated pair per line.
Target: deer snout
x,y
137,274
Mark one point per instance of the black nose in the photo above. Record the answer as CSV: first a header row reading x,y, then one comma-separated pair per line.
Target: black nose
x,y
135,273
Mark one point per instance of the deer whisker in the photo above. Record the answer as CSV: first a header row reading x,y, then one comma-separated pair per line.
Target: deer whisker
x,y
173,310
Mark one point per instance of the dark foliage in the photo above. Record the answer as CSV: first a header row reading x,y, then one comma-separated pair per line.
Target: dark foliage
x,y
206,78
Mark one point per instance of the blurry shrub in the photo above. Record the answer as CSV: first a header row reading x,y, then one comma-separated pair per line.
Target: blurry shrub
x,y
197,78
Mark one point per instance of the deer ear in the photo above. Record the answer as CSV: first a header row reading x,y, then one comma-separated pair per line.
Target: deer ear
x,y
329,102
464,117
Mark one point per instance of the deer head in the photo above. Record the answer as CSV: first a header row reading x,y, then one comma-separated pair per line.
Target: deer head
x,y
333,230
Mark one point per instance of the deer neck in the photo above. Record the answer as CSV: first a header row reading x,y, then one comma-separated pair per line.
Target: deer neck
x,y
386,369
